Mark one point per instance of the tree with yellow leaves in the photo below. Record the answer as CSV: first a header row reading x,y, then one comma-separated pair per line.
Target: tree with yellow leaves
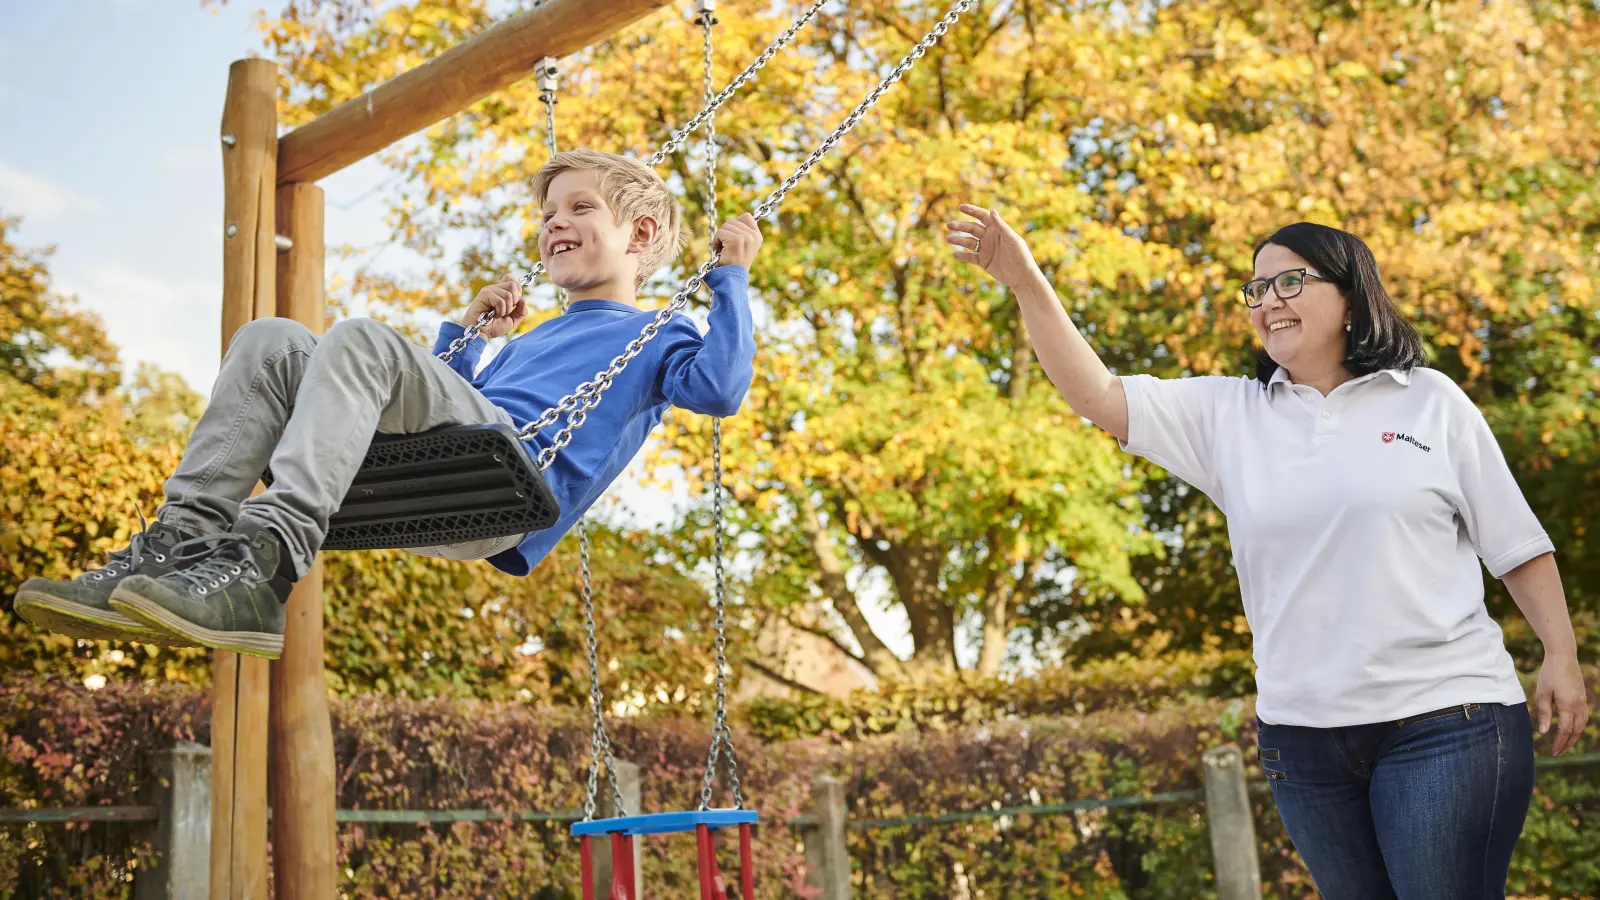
x,y
899,446
73,467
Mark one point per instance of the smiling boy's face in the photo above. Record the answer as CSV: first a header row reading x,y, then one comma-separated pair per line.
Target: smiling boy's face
x,y
584,247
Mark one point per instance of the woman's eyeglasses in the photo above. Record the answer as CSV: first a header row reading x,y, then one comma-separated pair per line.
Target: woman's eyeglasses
x,y
1287,284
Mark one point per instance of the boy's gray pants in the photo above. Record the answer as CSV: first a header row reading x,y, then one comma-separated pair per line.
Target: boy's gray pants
x,y
310,407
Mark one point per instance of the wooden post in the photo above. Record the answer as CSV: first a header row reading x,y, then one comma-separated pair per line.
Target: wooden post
x,y
182,836
241,684
628,782
487,62
304,839
827,855
1233,828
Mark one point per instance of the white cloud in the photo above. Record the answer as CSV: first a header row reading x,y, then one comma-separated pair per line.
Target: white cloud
x,y
40,199
186,159
171,323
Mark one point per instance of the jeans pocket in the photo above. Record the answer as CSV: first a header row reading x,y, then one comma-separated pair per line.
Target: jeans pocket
x,y
1465,710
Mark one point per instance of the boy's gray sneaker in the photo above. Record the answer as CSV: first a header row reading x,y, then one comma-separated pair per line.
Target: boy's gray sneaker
x,y
81,607
226,594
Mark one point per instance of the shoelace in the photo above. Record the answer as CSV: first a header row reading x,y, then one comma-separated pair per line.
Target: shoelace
x,y
222,558
123,561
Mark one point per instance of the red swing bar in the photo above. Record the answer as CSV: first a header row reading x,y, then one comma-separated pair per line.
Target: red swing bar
x,y
586,868
623,883
712,886
747,866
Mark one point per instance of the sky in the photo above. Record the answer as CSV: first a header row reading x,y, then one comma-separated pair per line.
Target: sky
x,y
110,153
110,116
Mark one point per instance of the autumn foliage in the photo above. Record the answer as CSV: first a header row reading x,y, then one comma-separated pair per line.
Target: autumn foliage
x,y
900,439
900,445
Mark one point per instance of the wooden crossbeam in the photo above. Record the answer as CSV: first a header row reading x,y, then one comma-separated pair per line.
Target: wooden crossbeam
x,y
449,83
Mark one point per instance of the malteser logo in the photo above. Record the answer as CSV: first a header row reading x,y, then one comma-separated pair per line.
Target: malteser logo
x,y
1390,437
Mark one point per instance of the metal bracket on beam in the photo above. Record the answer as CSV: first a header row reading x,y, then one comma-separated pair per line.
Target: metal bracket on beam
x,y
283,242
491,60
705,12
547,73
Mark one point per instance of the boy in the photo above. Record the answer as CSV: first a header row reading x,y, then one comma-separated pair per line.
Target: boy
x,y
216,568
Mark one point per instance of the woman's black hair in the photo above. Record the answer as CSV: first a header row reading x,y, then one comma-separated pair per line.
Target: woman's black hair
x,y
1378,338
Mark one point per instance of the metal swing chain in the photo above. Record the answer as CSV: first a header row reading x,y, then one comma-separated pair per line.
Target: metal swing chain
x,y
677,140
599,741
708,20
587,395
546,68
720,733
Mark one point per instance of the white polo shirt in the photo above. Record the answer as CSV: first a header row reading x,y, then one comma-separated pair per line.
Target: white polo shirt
x,y
1357,520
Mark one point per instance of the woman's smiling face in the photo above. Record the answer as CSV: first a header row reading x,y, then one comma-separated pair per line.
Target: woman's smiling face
x,y
1306,331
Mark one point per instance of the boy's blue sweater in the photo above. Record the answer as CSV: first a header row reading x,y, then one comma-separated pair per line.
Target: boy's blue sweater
x,y
708,375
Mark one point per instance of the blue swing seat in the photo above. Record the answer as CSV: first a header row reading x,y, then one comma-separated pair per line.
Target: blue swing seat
x,y
666,823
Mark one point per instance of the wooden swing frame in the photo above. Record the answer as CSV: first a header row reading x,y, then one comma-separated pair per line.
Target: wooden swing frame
x,y
273,717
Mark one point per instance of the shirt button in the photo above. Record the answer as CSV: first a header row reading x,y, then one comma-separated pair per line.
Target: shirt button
x,y
1326,414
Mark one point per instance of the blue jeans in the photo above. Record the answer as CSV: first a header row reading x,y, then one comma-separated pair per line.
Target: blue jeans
x,y
1428,807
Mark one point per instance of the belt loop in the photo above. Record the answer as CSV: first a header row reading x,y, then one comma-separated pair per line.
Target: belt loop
x,y
1467,708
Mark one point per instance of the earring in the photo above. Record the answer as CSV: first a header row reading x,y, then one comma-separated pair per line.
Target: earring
x,y
1347,326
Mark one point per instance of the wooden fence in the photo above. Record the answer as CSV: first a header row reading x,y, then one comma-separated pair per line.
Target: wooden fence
x,y
178,809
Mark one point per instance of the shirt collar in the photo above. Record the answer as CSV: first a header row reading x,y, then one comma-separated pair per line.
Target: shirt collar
x,y
585,305
1280,375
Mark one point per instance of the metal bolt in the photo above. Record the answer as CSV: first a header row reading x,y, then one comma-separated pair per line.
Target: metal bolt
x,y
231,230
547,73
229,140
283,242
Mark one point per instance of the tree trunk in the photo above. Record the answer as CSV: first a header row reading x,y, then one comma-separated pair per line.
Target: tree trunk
x,y
875,653
996,633
1000,613
914,569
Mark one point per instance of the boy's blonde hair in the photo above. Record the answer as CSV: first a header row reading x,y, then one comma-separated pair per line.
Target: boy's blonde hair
x,y
632,189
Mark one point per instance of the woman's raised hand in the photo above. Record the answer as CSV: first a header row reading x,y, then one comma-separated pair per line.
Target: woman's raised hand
x,y
991,244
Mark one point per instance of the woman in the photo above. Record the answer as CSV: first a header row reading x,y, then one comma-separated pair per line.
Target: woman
x,y
1361,490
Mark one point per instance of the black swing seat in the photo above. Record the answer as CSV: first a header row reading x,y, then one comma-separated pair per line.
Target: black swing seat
x,y
452,484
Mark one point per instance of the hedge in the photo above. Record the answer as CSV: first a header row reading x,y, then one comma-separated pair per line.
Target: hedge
x,y
960,700
65,745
